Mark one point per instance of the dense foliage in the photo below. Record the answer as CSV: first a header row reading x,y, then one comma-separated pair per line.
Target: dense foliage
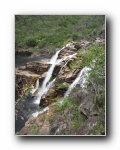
x,y
51,32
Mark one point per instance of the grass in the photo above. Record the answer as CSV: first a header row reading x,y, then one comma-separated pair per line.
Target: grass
x,y
54,31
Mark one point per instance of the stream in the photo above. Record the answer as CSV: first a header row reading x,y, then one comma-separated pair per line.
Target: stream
x,y
30,106
27,104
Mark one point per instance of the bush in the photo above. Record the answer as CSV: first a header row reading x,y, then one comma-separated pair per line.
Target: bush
x,y
75,37
31,42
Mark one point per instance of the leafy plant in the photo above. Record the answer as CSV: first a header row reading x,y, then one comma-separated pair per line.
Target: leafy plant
x,y
31,42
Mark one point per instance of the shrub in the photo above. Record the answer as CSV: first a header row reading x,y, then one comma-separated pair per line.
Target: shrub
x,y
75,36
31,42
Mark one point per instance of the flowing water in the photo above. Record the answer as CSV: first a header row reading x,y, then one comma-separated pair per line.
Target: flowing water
x,y
40,112
44,87
64,58
32,104
36,87
81,79
22,60
47,83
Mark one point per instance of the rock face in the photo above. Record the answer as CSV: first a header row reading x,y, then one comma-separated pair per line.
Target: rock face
x,y
47,99
87,106
65,75
26,76
23,80
38,67
50,122
39,125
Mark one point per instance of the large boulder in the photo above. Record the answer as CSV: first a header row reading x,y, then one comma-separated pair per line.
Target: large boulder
x,y
87,106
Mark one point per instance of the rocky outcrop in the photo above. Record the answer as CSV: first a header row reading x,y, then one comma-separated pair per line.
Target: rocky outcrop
x,y
67,75
23,53
87,105
26,76
88,126
24,80
49,122
39,125
100,40
38,67
48,98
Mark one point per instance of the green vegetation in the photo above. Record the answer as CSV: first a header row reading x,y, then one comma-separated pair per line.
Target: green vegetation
x,y
62,85
69,108
51,32
34,130
94,57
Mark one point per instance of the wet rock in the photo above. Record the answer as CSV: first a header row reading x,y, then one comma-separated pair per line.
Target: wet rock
x,y
47,99
22,67
23,53
61,88
41,122
34,94
38,67
24,80
56,70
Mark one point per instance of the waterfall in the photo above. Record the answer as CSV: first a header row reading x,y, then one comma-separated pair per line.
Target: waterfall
x,y
46,83
50,71
40,112
64,58
46,87
37,84
49,85
36,87
81,79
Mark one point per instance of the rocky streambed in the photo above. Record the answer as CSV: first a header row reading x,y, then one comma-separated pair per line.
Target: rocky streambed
x,y
41,83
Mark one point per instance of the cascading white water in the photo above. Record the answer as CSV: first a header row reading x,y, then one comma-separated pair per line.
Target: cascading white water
x,y
64,58
49,85
46,87
36,87
40,112
46,84
50,71
37,84
81,79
